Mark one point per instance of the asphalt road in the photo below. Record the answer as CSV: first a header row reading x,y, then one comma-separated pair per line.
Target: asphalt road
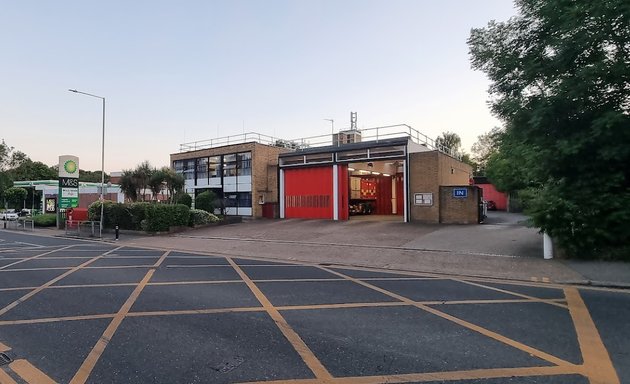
x,y
87,312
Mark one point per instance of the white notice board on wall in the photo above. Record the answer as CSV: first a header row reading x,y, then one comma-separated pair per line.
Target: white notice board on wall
x,y
425,198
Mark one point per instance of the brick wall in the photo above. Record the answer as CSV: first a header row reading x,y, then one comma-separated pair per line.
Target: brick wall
x,y
264,169
454,210
264,176
427,172
423,178
452,171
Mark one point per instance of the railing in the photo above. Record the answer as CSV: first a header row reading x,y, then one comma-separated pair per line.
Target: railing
x,y
374,134
83,228
229,140
20,224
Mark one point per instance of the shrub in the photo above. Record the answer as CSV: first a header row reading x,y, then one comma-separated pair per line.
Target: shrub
x,y
183,198
138,213
201,217
160,217
205,201
45,220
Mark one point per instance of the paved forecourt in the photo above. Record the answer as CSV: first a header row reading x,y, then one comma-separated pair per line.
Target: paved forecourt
x,y
88,312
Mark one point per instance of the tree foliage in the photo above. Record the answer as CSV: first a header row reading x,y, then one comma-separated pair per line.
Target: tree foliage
x,y
449,140
561,83
92,176
15,197
135,182
205,201
486,146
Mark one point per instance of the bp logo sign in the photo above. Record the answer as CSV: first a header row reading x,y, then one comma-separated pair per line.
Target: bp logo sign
x,y
68,196
70,166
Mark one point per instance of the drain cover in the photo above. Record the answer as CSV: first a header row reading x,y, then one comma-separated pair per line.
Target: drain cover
x,y
4,359
229,365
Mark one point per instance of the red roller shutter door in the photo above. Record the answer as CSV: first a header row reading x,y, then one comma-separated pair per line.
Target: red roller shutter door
x,y
308,193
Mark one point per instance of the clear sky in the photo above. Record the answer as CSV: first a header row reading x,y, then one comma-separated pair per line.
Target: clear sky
x,y
178,71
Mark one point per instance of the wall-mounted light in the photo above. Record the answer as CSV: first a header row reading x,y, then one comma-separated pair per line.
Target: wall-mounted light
x,y
350,169
386,174
376,173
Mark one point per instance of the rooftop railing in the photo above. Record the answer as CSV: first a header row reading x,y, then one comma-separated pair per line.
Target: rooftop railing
x,y
374,134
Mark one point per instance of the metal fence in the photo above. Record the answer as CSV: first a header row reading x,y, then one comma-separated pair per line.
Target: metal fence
x,y
83,228
20,224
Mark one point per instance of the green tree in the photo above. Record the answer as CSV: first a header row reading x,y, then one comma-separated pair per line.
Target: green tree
x,y
142,174
182,198
174,182
560,82
157,182
32,170
15,197
92,176
129,185
486,146
205,201
449,141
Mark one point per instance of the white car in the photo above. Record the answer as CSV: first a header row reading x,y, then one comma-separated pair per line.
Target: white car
x,y
8,215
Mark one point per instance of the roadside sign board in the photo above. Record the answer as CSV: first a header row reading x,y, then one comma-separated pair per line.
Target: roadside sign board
x,y
460,193
68,181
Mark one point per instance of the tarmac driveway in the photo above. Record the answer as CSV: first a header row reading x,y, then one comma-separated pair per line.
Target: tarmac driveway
x,y
84,312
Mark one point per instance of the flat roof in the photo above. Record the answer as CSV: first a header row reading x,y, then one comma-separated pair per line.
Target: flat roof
x,y
349,146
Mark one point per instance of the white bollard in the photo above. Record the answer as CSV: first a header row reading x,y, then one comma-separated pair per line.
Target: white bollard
x,y
547,247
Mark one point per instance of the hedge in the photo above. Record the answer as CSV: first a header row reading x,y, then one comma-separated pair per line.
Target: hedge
x,y
201,217
150,217
45,220
160,217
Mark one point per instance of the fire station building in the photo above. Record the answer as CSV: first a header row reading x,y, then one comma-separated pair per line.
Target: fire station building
x,y
371,173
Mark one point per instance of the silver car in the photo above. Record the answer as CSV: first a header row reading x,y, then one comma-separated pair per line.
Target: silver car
x,y
8,215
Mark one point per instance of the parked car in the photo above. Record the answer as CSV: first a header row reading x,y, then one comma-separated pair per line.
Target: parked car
x,y
492,206
9,215
25,212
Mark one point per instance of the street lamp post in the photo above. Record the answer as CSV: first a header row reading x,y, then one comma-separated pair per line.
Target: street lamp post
x,y
102,155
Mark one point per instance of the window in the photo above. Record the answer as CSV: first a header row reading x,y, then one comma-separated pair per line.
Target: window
x,y
178,165
214,166
202,168
244,199
244,164
231,200
189,169
229,165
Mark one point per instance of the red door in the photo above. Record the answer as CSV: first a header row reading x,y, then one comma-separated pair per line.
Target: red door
x,y
308,193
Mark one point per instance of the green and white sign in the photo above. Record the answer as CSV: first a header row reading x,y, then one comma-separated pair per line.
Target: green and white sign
x,y
68,181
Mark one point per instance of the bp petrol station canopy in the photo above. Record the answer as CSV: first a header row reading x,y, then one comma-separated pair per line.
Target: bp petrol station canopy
x,y
52,186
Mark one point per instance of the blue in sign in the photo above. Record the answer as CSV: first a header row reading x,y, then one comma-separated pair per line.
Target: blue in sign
x,y
460,193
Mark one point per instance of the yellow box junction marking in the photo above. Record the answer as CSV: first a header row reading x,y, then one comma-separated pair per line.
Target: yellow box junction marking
x,y
296,341
597,364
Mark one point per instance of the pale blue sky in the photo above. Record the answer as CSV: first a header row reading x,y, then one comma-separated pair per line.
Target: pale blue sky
x,y
175,71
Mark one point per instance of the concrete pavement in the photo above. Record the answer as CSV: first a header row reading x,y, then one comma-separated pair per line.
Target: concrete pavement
x,y
504,247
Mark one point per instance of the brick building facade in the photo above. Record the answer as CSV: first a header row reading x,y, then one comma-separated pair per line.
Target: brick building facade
x,y
243,176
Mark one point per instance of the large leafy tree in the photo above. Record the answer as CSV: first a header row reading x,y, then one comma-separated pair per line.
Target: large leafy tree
x,y
449,140
486,146
15,197
561,83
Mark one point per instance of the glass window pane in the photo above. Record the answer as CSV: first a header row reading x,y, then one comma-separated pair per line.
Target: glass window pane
x,y
245,199
244,163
